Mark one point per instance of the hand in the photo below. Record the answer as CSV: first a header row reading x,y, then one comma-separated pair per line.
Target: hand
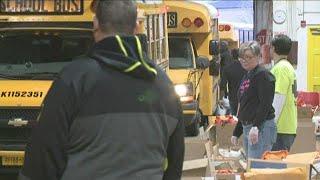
x,y
254,135
234,140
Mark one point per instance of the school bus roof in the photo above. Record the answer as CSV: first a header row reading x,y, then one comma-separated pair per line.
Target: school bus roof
x,y
192,14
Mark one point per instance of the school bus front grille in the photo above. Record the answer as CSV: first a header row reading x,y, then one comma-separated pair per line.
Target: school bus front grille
x,y
11,134
30,114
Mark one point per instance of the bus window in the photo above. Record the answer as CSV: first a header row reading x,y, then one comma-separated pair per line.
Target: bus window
x,y
181,53
46,50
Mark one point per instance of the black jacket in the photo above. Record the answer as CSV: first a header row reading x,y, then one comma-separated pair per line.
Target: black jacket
x,y
108,116
256,93
225,55
232,76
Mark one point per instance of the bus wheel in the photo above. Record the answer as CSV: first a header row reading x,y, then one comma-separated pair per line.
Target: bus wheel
x,y
193,129
204,122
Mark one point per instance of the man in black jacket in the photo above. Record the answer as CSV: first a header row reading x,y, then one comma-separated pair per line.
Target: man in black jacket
x,y
230,81
111,114
225,54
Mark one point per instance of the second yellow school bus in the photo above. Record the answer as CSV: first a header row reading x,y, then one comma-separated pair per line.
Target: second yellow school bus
x,y
228,33
193,36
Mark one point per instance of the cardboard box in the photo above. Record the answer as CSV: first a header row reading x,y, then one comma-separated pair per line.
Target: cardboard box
x,y
305,140
276,170
196,164
196,173
200,160
191,178
305,112
194,148
227,163
224,134
297,173
301,165
226,177
310,159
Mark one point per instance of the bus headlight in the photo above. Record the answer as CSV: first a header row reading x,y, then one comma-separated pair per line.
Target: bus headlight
x,y
184,91
181,89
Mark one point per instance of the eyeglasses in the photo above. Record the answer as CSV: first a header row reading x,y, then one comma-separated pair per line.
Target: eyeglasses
x,y
247,58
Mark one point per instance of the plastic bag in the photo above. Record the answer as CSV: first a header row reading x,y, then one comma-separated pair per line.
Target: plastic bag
x,y
221,110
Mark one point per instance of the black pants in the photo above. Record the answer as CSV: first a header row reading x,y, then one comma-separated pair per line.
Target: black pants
x,y
284,142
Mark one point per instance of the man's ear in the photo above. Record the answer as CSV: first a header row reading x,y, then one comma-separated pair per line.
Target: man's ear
x,y
136,29
95,24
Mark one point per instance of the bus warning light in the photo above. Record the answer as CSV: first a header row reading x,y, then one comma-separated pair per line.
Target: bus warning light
x,y
186,22
221,27
198,22
227,28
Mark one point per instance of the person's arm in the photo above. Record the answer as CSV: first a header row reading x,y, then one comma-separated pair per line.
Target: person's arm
x,y
238,130
175,152
281,87
223,83
45,154
265,87
278,104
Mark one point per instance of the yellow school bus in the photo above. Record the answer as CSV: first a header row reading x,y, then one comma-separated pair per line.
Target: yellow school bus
x,y
38,39
227,33
193,38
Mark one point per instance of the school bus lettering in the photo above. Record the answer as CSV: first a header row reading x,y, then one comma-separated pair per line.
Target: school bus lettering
x,y
36,94
172,20
21,94
40,6
17,94
66,6
14,5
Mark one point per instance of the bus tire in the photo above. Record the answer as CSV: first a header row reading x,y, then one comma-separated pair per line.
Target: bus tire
x,y
193,129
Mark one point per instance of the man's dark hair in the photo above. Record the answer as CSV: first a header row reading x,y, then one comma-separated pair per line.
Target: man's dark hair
x,y
282,44
223,46
235,54
116,16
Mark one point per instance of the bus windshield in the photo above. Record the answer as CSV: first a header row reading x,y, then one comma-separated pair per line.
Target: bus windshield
x,y
180,54
38,51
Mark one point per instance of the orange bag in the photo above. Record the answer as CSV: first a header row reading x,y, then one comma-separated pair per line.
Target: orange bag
x,y
275,155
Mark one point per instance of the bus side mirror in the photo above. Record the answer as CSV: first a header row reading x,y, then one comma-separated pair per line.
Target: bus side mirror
x,y
214,47
202,62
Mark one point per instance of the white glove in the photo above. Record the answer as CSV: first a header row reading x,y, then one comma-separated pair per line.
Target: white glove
x,y
225,102
254,135
234,140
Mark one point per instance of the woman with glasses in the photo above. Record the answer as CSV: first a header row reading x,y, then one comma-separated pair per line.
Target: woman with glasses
x,y
255,111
